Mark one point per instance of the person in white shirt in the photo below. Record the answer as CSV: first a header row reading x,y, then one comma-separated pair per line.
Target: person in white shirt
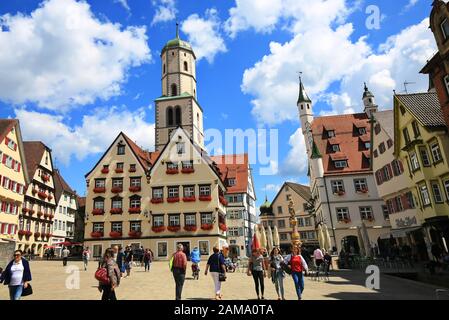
x,y
318,256
16,275
86,257
65,255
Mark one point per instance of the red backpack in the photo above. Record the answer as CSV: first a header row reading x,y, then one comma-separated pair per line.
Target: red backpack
x,y
102,276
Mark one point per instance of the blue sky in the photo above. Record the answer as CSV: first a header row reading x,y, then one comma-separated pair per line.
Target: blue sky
x,y
76,73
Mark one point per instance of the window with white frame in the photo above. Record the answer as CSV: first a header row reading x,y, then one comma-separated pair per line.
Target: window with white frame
x,y
233,232
366,213
444,26
173,192
158,193
97,227
330,133
203,245
341,164
99,204
342,214
162,249
135,182
174,220
437,196
158,221
436,152
360,185
190,219
425,195
410,200
100,183
335,147
117,203
172,165
399,204
117,183
446,188
205,190
189,191
414,161
206,218
134,202
337,186
135,226
385,212
116,227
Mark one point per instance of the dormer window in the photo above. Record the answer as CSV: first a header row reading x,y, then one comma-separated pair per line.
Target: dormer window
x,y
445,28
367,145
336,148
362,131
121,149
231,182
330,133
341,164
180,147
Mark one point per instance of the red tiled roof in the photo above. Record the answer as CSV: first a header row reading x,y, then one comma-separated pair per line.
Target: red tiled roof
x,y
145,158
81,201
34,151
349,141
61,185
365,138
334,140
338,156
234,166
5,127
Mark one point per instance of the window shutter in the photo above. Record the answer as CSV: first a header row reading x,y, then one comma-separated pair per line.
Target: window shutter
x,y
405,203
240,231
10,229
401,166
378,178
6,140
18,167
15,146
4,159
390,171
3,228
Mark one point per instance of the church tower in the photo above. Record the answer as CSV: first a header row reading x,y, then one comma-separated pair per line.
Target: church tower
x,y
305,115
178,106
369,102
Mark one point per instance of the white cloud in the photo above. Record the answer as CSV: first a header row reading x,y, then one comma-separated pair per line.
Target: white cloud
x,y
124,4
323,49
272,187
296,162
204,35
62,56
165,11
409,5
92,136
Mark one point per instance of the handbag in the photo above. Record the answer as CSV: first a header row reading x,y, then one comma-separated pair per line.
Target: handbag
x,y
102,276
221,275
27,291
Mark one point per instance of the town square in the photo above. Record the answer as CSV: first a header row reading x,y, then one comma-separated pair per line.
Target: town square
x,y
247,150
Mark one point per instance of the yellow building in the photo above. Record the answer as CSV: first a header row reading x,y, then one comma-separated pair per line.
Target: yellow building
x,y
276,214
13,178
36,218
159,199
421,143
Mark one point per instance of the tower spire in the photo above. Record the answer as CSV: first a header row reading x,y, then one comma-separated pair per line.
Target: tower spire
x,y
303,97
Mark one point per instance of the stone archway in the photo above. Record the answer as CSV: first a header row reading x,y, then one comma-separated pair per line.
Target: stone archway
x,y
350,244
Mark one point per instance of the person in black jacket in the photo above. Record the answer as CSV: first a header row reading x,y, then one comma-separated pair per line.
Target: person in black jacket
x,y
16,275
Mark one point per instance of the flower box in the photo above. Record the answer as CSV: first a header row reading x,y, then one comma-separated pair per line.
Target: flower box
x,y
371,219
100,190
116,189
33,191
115,234
40,214
174,228
158,229
363,191
22,232
135,189
38,234
157,200
187,170
208,226
42,195
190,228
116,211
340,193
132,170
135,210
135,234
31,212
48,235
45,178
223,227
46,215
97,212
172,171
96,234
171,200
49,197
105,170
51,216
205,198
119,170
345,221
25,210
189,199
223,201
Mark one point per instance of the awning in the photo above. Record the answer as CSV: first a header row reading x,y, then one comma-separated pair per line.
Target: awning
x,y
399,233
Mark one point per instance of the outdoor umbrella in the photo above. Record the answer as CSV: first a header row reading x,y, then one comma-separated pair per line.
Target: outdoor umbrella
x,y
255,244
276,236
320,236
366,240
263,237
361,242
327,238
269,239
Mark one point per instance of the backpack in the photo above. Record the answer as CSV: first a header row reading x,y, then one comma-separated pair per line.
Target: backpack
x,y
102,276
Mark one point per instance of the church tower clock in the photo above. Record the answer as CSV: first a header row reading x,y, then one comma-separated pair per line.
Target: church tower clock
x,y
178,106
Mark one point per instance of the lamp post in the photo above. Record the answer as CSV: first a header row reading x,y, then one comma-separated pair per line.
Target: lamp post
x,y
295,234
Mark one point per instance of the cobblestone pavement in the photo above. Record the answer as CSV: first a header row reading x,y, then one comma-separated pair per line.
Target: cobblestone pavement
x,y
52,281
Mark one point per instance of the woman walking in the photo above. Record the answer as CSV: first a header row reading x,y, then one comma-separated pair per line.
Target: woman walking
x,y
113,276
147,259
298,265
16,275
277,274
216,266
256,268
128,261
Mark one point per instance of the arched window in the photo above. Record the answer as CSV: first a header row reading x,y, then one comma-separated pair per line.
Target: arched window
x,y
178,119
186,67
164,68
170,121
198,119
174,90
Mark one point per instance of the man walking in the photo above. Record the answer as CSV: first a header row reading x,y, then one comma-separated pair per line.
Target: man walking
x,y
86,257
65,256
179,269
